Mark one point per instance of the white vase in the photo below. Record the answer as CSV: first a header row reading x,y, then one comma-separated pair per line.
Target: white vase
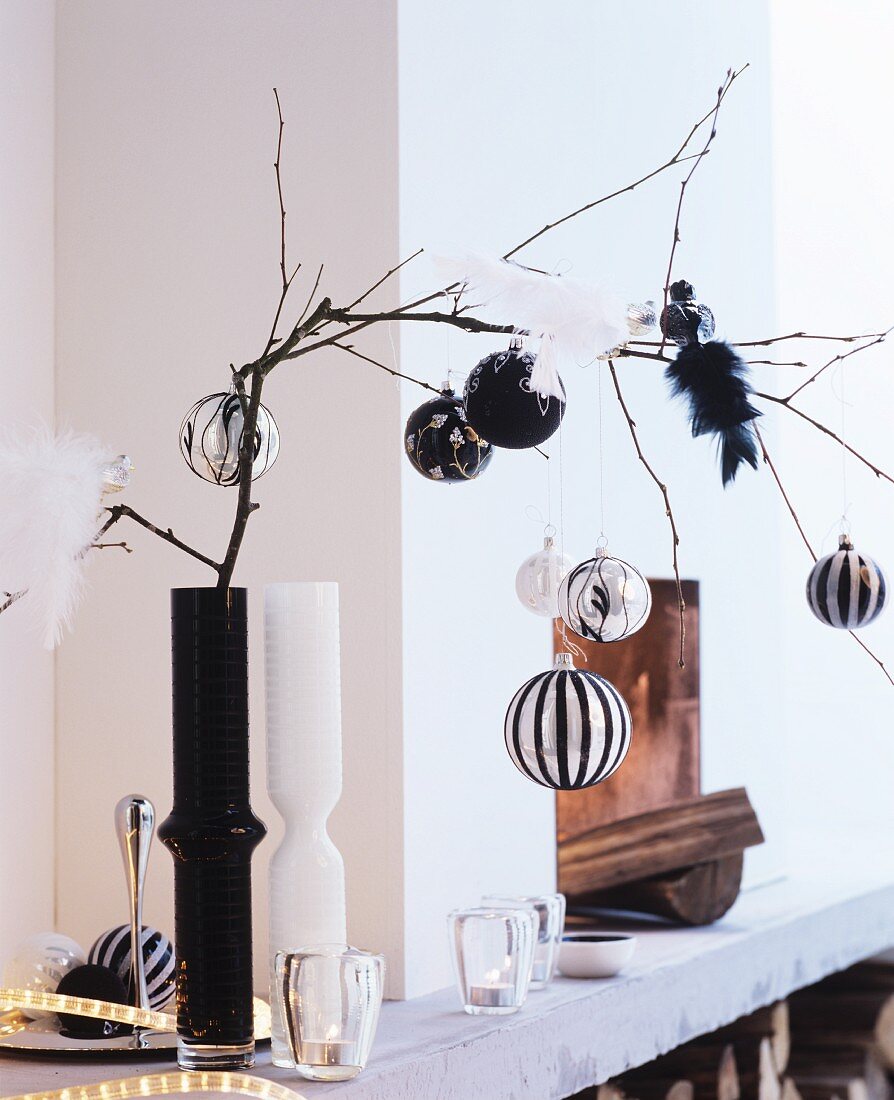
x,y
304,772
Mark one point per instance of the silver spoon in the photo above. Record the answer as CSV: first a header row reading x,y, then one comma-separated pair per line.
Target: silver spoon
x,y
135,824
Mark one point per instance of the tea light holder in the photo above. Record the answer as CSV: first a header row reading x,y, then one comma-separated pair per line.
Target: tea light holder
x,y
330,996
493,952
550,911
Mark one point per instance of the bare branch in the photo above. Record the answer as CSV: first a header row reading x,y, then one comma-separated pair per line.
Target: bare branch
x,y
387,275
120,510
677,158
631,424
784,402
806,541
731,75
110,546
11,598
286,280
804,336
880,339
381,366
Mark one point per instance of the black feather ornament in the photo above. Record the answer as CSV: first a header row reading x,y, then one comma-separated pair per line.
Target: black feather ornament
x,y
714,380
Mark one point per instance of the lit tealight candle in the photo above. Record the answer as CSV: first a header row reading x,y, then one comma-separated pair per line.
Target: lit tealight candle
x,y
493,994
329,1052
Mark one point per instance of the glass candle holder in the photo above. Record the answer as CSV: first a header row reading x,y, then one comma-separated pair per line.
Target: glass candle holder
x,y
493,952
330,996
550,910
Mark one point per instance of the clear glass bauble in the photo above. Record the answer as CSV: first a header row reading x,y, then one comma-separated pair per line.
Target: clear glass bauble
x,y
210,437
567,728
40,963
604,599
539,577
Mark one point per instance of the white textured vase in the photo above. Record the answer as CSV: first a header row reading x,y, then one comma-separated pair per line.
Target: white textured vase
x,y
304,772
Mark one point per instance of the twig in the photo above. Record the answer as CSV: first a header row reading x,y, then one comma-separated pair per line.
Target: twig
x,y
774,363
120,510
785,403
387,275
11,598
677,158
804,336
810,550
785,496
286,280
359,321
312,294
110,546
721,92
631,424
880,339
381,366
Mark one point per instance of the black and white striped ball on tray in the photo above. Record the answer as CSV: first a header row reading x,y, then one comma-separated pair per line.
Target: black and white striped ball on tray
x,y
112,950
846,589
604,599
501,406
211,435
568,728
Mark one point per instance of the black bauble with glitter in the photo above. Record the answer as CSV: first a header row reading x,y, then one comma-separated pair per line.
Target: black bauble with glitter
x,y
100,984
500,405
441,445
684,320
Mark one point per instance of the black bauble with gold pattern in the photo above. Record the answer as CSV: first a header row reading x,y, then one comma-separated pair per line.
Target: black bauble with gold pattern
x,y
441,444
501,406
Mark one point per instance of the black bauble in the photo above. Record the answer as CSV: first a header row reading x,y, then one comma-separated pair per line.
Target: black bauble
x,y
441,445
500,406
100,984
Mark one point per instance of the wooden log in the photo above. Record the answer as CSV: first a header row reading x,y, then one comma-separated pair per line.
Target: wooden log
x,y
818,1067
848,1012
646,1088
771,1023
760,1081
695,896
697,831
710,1069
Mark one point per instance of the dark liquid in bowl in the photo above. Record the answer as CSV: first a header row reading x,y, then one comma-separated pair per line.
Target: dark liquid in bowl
x,y
593,938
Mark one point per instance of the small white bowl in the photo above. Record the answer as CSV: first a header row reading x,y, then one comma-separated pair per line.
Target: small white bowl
x,y
595,954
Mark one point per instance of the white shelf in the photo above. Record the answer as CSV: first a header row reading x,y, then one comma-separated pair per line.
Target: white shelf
x,y
838,908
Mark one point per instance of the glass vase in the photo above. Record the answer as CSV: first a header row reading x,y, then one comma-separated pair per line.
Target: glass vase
x,y
493,952
330,997
211,830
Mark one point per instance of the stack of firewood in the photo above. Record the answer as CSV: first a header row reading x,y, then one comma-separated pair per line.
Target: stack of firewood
x,y
831,1041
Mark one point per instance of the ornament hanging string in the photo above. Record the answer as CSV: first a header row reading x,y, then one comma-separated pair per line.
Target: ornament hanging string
x,y
602,536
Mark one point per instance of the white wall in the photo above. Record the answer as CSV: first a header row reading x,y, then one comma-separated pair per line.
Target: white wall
x,y
168,245
26,370
834,246
539,109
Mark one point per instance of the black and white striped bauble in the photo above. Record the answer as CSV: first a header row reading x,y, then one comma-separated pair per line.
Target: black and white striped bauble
x,y
567,728
604,599
846,590
112,950
211,435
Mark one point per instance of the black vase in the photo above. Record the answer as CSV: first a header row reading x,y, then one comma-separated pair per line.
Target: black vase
x,y
211,831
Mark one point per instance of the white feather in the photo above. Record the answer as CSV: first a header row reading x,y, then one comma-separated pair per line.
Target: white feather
x,y
575,319
50,492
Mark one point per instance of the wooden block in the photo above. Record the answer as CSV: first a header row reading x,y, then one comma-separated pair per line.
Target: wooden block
x,y
695,896
662,765
697,831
